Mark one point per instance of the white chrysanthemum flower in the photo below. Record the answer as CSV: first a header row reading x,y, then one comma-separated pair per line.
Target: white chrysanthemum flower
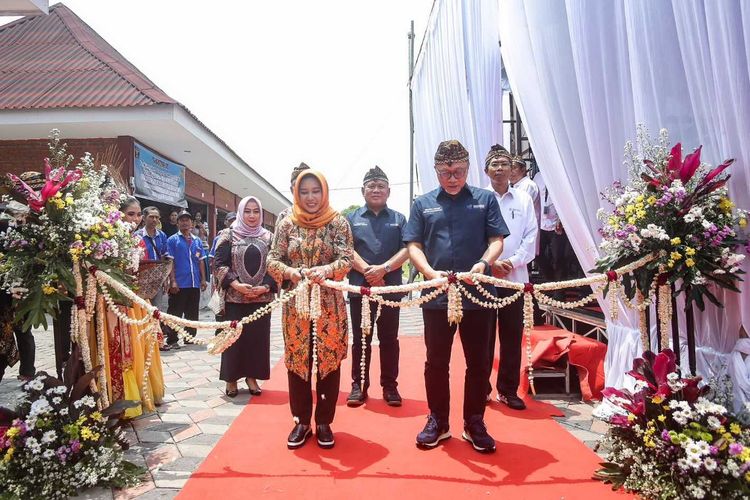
x,y
713,422
710,464
40,407
49,436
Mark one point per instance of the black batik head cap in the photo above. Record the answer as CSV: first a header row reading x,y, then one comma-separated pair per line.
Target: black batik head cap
x,y
497,151
374,174
298,169
450,151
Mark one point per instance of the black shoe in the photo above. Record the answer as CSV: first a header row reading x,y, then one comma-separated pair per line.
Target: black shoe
x,y
325,436
475,432
356,397
391,396
298,436
513,401
434,432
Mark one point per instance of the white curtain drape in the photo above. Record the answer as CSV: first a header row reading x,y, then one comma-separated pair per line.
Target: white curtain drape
x,y
457,86
584,73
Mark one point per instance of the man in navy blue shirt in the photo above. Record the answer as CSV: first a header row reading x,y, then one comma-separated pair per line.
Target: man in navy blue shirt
x,y
188,274
155,238
379,252
457,228
156,249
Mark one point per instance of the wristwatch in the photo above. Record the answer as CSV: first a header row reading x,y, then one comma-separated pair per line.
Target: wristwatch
x,y
387,267
486,264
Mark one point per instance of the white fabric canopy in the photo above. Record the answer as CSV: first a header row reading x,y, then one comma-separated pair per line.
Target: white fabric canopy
x,y
584,73
457,86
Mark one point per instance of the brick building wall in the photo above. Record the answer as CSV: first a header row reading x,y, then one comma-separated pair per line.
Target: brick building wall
x,y
24,155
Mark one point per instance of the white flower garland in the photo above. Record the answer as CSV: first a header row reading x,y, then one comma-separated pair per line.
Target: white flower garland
x,y
308,304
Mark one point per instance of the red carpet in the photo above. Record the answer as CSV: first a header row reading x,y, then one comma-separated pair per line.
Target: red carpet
x,y
375,455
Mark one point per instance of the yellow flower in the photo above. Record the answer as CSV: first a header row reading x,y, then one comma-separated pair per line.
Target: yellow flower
x,y
97,416
639,198
87,251
675,255
48,290
651,200
105,234
629,209
58,195
661,418
78,237
743,222
670,263
12,432
641,214
689,262
69,200
676,240
689,251
613,221
747,476
8,454
639,206
657,399
632,220
631,417
726,205
735,428
745,455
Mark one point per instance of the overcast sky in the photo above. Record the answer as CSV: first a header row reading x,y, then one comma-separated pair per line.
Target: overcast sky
x,y
282,81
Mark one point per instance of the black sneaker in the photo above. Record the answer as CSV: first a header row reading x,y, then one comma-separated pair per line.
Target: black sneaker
x,y
325,436
391,396
475,432
434,432
298,436
512,400
356,397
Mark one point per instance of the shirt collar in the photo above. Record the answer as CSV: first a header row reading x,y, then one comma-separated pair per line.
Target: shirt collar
x,y
511,191
463,193
366,210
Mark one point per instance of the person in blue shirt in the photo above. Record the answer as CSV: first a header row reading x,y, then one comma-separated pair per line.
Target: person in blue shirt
x,y
188,274
458,228
379,252
154,238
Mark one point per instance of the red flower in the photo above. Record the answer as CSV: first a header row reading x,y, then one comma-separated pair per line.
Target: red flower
x,y
56,179
363,290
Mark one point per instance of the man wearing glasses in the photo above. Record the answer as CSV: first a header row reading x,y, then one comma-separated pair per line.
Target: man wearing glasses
x,y
457,228
517,209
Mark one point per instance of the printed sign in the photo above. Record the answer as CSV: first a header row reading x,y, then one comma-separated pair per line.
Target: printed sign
x,y
157,178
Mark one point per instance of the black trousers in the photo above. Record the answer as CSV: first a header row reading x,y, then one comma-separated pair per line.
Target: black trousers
x,y
438,336
387,331
300,395
552,255
183,304
510,329
26,354
249,356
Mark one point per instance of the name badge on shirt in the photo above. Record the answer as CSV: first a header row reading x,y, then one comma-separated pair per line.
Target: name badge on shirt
x,y
476,206
393,224
360,224
432,210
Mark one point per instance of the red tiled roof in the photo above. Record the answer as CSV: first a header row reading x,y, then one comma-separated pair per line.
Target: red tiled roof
x,y
58,61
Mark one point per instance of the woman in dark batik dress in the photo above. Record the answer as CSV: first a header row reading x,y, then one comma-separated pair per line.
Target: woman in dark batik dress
x,y
240,266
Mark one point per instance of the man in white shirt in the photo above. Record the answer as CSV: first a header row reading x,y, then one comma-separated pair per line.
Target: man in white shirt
x,y
517,209
521,181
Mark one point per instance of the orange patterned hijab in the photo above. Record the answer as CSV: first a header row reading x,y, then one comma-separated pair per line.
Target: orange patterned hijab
x,y
325,213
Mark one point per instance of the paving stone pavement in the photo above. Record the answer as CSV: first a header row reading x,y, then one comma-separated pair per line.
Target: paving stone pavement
x,y
173,441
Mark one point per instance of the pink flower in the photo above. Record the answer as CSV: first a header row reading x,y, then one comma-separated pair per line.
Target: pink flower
x,y
735,449
56,179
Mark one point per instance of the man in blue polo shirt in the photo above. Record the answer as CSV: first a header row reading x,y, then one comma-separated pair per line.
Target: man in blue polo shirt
x,y
188,274
379,252
457,228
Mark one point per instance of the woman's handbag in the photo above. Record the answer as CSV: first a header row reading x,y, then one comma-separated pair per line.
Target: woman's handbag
x,y
216,304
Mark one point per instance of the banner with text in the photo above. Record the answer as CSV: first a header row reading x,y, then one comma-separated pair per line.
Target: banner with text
x,y
157,178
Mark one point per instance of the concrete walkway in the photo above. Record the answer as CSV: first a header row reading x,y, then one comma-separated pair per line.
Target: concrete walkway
x,y
173,441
